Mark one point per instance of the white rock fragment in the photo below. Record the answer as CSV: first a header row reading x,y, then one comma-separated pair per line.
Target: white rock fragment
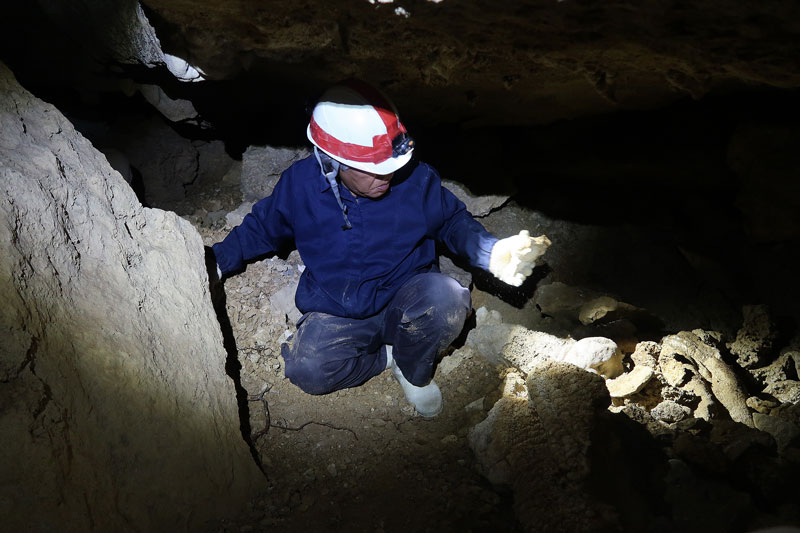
x,y
786,391
283,302
183,70
646,354
235,217
597,354
630,383
670,412
453,361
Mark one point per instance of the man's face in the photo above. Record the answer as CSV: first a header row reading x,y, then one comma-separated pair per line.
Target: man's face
x,y
366,184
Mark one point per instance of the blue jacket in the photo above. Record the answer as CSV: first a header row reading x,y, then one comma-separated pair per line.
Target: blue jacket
x,y
354,273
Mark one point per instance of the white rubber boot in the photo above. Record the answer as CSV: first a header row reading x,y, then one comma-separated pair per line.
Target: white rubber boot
x,y
427,400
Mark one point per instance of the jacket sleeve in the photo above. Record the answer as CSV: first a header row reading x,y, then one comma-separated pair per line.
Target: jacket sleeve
x,y
459,231
267,228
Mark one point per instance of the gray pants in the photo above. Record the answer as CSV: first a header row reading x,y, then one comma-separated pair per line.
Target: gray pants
x,y
329,353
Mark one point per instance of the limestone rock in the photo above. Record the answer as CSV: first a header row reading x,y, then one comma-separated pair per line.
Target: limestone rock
x,y
676,372
262,167
174,110
682,379
548,435
214,163
117,412
596,354
780,369
598,308
754,339
119,162
235,217
490,334
128,35
448,268
523,348
670,412
629,383
787,391
761,405
724,384
167,162
646,353
282,302
454,360
561,300
478,206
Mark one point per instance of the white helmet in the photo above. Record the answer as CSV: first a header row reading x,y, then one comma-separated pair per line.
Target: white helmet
x,y
358,126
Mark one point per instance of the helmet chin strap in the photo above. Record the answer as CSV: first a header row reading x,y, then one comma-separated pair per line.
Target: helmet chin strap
x,y
330,168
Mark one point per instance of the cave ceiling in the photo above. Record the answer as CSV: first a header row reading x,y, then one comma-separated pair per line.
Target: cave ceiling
x,y
475,63
486,63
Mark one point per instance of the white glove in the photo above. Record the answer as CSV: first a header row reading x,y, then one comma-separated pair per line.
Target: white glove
x,y
513,258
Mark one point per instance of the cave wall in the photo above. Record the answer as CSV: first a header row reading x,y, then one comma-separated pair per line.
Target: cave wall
x,y
116,410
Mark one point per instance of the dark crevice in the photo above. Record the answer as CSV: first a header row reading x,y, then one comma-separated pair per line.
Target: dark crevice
x,y
233,367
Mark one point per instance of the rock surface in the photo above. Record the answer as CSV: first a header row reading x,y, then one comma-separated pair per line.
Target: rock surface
x,y
540,445
117,411
262,167
724,383
523,348
517,62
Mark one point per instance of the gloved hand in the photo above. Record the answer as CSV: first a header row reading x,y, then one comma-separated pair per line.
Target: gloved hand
x,y
513,258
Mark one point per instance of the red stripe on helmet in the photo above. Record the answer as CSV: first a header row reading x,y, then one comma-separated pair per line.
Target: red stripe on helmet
x,y
380,151
381,148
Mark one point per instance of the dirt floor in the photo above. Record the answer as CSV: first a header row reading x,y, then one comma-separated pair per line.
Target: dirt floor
x,y
359,459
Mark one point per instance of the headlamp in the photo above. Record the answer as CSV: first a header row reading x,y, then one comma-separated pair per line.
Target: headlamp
x,y
402,144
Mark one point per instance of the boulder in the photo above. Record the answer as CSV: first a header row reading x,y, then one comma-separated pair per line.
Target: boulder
x,y
478,206
629,383
539,446
724,384
117,413
754,339
262,167
523,348
779,370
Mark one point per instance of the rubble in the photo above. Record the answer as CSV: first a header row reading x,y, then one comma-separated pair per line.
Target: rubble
x,y
754,339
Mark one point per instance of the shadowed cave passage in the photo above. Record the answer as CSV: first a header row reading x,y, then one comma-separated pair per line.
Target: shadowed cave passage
x,y
656,150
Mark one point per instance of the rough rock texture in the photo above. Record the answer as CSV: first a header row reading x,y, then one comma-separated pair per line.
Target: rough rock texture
x,y
629,383
262,167
116,410
552,449
166,161
754,340
523,348
783,368
479,206
549,434
724,383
